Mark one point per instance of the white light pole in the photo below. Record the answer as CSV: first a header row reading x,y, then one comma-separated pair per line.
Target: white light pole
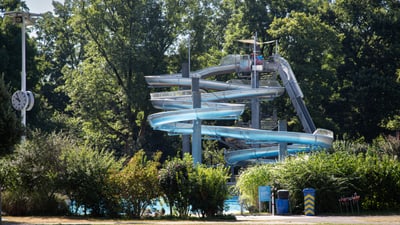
x,y
26,19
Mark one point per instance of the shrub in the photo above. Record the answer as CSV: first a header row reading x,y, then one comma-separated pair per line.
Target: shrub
x,y
176,185
250,179
23,203
329,174
138,183
35,170
373,172
87,180
209,190
381,182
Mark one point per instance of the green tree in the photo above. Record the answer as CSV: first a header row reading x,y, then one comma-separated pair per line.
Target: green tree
x,y
313,49
96,101
58,46
248,17
204,22
10,49
236,28
126,43
369,87
11,53
212,155
10,126
138,183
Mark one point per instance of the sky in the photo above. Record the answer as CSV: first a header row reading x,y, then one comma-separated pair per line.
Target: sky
x,y
40,6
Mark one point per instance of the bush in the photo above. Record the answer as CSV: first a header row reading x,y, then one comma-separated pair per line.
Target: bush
x,y
380,183
138,183
250,179
199,189
87,180
331,175
176,185
373,172
21,203
209,190
34,169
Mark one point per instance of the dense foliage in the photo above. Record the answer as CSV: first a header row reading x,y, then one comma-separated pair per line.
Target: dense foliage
x,y
36,172
210,190
87,179
10,126
90,58
86,65
51,174
138,183
350,168
52,170
176,183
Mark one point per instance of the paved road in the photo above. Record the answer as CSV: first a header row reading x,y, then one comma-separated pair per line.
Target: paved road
x,y
280,220
389,220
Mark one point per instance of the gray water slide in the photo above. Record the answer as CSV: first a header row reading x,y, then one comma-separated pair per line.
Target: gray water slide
x,y
180,106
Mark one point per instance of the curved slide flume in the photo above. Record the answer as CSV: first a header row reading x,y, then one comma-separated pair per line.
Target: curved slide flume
x,y
212,108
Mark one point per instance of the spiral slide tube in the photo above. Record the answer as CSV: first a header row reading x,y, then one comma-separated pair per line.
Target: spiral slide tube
x,y
180,106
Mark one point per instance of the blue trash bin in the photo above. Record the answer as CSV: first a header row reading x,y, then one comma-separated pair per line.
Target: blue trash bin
x,y
282,206
309,201
282,202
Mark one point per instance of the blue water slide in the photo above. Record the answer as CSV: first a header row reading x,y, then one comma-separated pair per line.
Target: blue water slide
x,y
214,106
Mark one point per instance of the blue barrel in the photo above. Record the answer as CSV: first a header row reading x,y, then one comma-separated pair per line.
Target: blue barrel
x,y
309,201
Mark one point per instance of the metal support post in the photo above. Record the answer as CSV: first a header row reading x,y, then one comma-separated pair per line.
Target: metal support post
x,y
185,137
282,126
196,137
255,103
23,73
